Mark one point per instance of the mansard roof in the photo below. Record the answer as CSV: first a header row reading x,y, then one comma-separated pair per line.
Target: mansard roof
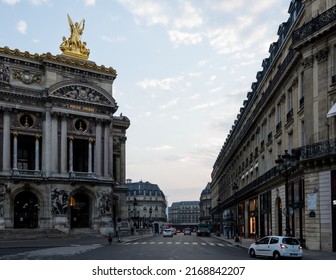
x,y
141,188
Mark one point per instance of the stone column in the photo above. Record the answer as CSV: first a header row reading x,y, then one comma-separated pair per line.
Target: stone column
x,y
54,144
98,149
37,152
111,158
122,159
106,149
47,143
70,154
64,144
90,155
15,147
6,142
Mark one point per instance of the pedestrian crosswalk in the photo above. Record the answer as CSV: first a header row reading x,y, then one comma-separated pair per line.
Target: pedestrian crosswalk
x,y
130,243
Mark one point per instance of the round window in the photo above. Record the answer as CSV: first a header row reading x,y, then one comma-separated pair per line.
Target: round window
x,y
80,125
26,121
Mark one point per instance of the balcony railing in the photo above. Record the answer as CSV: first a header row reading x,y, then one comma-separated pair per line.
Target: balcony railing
x,y
317,150
26,173
314,25
309,152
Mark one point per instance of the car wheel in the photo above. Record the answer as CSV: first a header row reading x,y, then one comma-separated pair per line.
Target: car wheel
x,y
276,255
252,253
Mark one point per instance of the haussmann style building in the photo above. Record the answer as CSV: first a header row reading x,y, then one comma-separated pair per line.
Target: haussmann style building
x,y
62,160
276,171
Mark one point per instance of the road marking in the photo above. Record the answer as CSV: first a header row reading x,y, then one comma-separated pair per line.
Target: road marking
x,y
212,244
186,243
204,244
219,244
177,242
160,242
152,242
143,242
169,242
194,243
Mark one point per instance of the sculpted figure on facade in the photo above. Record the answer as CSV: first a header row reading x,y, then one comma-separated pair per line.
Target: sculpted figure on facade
x,y
59,201
3,191
4,73
105,204
74,45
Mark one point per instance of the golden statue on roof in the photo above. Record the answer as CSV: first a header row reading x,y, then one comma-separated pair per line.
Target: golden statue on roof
x,y
73,46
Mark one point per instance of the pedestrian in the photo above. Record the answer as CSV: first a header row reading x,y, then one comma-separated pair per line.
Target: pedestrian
x,y
109,238
132,230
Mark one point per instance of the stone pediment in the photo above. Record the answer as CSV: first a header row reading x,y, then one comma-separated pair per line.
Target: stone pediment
x,y
82,92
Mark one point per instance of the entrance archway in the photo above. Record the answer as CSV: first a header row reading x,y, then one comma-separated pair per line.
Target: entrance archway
x,y
80,210
26,210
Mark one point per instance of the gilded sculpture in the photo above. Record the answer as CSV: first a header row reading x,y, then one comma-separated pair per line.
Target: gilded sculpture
x,y
73,46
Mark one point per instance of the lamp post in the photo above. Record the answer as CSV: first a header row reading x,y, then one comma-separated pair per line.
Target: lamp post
x,y
150,216
135,203
284,163
235,189
218,215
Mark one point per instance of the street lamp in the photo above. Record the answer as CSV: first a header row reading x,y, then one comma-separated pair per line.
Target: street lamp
x,y
135,203
284,163
219,220
235,189
150,216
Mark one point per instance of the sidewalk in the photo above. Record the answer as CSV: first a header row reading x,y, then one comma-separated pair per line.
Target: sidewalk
x,y
307,254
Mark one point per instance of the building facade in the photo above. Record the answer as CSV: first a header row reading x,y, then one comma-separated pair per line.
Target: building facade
x,y
63,160
146,204
205,205
275,173
184,214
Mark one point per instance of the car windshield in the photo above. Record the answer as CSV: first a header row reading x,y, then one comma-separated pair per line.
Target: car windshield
x,y
290,241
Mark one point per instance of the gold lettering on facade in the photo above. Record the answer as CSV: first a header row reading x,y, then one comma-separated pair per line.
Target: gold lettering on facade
x,y
82,108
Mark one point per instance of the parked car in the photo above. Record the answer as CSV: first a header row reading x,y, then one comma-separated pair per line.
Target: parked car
x,y
187,231
276,247
168,232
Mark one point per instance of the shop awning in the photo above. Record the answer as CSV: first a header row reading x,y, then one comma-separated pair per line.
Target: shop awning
x,y
332,111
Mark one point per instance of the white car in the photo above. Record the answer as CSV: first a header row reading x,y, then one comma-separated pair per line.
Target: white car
x,y
168,232
276,247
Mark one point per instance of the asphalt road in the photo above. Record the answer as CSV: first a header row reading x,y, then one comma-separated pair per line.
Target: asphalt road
x,y
178,247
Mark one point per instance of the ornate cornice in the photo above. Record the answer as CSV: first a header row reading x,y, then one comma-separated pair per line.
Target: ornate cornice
x,y
70,61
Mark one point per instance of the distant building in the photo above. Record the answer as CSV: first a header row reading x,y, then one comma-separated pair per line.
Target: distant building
x,y
205,205
184,214
146,204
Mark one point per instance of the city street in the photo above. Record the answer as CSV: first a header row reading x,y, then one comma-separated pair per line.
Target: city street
x,y
137,247
178,247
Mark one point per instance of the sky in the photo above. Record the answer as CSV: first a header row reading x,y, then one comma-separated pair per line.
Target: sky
x,y
184,69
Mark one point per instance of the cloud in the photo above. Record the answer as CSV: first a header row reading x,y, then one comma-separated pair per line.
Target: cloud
x,y
159,148
165,84
149,11
226,6
206,105
190,17
39,2
170,103
10,2
111,40
21,26
90,2
178,37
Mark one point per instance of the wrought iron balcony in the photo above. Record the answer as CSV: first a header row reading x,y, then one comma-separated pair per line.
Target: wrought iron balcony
x,y
314,25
